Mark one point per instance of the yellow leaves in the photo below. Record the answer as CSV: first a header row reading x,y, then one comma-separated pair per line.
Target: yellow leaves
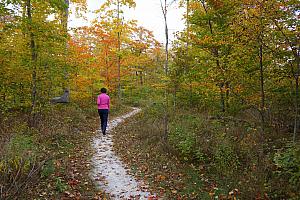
x,y
160,178
158,86
2,166
1,26
238,89
208,40
109,7
129,3
79,1
195,5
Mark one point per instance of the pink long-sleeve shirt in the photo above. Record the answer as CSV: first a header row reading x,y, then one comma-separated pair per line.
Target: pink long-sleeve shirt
x,y
103,101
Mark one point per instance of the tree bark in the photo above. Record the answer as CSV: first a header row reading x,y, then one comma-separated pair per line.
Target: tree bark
x,y
166,117
119,50
34,63
296,54
262,90
296,107
106,66
215,53
187,49
297,95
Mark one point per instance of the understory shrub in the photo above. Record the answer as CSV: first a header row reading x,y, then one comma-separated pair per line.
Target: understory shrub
x,y
19,166
27,154
15,175
287,161
183,137
228,150
225,160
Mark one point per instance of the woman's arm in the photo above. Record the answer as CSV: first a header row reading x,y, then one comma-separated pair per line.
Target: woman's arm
x,y
98,100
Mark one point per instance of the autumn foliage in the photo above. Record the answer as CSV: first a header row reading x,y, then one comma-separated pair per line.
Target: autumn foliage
x,y
226,104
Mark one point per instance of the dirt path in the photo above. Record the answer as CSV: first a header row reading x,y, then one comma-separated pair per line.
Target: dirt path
x,y
109,173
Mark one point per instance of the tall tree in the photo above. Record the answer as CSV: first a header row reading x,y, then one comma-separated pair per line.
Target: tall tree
x,y
114,10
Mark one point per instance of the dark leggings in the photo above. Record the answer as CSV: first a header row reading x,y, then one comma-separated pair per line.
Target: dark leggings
x,y
103,113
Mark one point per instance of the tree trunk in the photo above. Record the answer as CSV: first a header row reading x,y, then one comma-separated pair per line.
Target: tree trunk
x,y
297,95
296,107
166,120
296,52
106,66
118,56
34,67
187,49
222,97
64,22
215,53
65,27
141,78
262,91
227,94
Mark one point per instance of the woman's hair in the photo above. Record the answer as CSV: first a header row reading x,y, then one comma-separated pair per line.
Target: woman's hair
x,y
103,90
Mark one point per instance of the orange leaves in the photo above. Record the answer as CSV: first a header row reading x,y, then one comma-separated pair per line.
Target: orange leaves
x,y
95,51
195,5
217,4
160,178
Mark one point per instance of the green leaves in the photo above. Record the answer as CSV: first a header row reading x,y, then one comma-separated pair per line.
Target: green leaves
x,y
288,163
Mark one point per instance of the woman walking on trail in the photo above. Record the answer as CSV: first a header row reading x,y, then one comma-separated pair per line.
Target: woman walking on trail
x,y
103,102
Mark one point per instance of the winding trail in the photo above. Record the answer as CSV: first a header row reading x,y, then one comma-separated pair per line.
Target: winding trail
x,y
109,173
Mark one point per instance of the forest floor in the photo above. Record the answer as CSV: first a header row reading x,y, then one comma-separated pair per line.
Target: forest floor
x,y
74,160
140,145
61,148
66,157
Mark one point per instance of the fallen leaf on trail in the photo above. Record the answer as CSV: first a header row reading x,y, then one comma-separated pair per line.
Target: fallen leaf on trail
x,y
57,163
211,194
160,178
67,193
174,191
73,182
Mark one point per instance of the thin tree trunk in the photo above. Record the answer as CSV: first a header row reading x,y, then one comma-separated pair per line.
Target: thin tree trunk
x,y
296,52
166,120
118,56
106,65
187,49
296,107
141,78
227,94
222,97
297,58
297,96
175,96
262,91
34,67
65,16
64,20
166,71
215,53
